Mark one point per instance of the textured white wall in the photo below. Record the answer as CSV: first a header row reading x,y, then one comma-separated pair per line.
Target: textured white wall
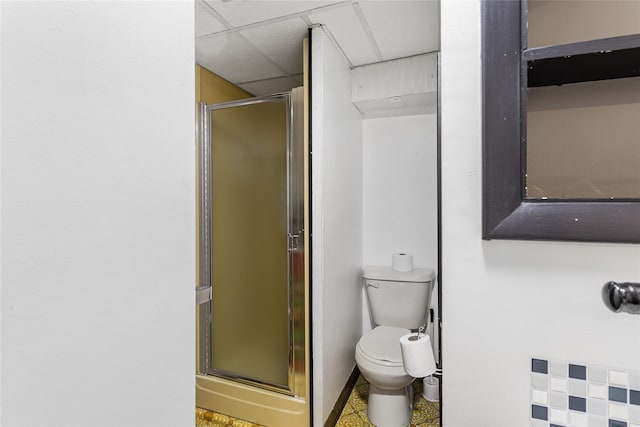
x,y
505,301
97,214
337,224
399,192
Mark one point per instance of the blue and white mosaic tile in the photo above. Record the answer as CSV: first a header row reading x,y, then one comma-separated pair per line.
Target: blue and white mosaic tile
x,y
565,394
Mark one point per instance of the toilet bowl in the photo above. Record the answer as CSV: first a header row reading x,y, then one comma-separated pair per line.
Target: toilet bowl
x,y
399,301
379,359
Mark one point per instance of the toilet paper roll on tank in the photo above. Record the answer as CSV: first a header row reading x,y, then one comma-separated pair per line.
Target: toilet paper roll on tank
x,y
401,261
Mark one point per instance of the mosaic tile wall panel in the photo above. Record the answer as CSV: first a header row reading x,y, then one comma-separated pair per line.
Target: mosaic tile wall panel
x,y
565,394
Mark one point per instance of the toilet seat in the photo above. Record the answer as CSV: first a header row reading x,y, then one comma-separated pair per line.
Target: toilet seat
x,y
381,346
379,359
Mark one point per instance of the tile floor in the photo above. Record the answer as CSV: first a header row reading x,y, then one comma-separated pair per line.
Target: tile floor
x,y
354,414
206,418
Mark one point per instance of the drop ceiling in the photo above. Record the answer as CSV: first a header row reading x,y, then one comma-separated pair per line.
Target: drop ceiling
x,y
257,45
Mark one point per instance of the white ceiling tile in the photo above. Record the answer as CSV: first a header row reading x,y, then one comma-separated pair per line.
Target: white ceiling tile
x,y
205,22
233,59
344,25
239,13
282,42
400,29
403,28
270,86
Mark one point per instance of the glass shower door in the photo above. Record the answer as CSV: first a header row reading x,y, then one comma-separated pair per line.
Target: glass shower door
x,y
251,230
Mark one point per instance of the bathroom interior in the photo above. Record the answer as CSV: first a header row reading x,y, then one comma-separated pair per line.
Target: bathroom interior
x,y
354,88
350,89
99,208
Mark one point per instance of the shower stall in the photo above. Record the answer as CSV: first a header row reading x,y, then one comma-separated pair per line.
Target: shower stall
x,y
252,300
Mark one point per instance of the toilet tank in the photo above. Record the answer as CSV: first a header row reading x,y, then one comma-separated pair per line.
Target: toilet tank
x,y
398,298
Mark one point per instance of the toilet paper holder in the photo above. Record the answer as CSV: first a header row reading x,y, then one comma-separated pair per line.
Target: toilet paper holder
x,y
419,334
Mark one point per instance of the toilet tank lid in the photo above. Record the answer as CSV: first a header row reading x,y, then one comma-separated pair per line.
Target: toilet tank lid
x,y
387,273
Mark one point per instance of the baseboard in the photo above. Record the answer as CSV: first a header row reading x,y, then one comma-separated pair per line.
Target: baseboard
x,y
332,420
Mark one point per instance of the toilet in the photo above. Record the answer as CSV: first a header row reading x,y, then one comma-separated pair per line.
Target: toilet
x,y
399,302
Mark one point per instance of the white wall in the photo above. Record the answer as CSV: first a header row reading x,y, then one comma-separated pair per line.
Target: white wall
x,y
505,301
337,224
400,212
97,214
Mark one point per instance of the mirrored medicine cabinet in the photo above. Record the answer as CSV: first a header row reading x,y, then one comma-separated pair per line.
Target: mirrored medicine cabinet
x,y
561,120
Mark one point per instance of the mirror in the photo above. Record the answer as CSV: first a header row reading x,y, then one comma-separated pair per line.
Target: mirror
x,y
561,120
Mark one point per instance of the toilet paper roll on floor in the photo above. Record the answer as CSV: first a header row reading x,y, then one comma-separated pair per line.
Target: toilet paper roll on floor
x,y
417,355
402,262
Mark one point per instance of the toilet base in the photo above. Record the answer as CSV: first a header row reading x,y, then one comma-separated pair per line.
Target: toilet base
x,y
389,408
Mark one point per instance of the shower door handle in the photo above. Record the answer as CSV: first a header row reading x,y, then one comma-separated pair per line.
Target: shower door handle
x,y
294,241
203,294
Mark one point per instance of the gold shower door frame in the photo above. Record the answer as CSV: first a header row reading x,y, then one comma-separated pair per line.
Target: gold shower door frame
x,y
295,386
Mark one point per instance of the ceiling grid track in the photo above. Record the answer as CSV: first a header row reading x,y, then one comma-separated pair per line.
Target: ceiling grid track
x,y
207,7
359,29
249,43
302,15
367,30
335,42
307,21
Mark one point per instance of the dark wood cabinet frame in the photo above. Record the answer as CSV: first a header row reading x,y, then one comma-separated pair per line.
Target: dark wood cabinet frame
x,y
507,214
